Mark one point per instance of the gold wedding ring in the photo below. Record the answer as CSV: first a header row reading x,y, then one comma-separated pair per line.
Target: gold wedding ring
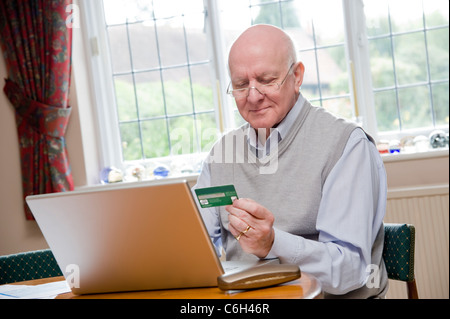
x,y
238,237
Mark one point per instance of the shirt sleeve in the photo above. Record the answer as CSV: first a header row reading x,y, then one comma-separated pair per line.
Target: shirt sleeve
x,y
210,215
350,215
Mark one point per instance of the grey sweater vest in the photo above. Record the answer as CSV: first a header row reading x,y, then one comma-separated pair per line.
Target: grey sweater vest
x,y
289,181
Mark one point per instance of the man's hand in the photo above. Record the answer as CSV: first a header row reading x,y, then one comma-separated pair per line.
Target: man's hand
x,y
252,225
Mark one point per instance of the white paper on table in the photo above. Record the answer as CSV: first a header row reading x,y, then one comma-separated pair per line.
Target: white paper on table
x,y
45,291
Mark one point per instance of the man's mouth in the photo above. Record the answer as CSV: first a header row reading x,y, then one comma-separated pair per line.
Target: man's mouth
x,y
260,110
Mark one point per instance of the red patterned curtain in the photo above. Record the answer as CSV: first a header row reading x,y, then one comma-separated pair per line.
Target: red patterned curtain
x,y
36,41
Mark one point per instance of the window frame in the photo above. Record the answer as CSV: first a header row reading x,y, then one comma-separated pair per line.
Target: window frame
x,y
101,76
358,58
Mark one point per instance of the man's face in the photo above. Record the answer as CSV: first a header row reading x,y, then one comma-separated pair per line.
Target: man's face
x,y
255,70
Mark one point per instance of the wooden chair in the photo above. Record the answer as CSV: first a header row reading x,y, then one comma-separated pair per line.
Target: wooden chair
x,y
398,255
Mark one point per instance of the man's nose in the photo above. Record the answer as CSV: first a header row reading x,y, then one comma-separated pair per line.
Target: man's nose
x,y
255,95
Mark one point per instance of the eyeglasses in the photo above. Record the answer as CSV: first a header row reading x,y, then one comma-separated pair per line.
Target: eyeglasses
x,y
263,88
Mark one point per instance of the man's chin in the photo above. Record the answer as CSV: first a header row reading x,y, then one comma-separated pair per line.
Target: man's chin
x,y
261,122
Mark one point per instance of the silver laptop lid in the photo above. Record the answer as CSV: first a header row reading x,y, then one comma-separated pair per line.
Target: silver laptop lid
x,y
128,237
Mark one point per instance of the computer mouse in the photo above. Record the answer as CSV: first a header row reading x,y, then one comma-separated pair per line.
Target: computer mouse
x,y
259,277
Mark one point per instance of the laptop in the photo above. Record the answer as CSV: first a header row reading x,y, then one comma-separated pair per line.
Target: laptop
x,y
129,237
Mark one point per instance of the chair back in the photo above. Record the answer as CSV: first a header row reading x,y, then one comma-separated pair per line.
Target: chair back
x,y
398,254
28,266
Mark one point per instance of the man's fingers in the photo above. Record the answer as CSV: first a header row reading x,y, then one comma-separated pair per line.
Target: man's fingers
x,y
238,224
251,207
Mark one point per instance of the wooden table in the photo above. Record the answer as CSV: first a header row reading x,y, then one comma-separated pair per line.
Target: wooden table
x,y
307,287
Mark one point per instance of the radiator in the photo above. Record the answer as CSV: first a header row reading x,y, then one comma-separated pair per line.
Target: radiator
x,y
427,208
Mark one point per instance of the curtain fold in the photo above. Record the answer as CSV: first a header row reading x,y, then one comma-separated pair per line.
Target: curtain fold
x,y
37,47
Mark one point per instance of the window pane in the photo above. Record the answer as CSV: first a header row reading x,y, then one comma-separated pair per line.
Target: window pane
x,y
438,53
131,141
377,18
197,40
125,98
172,47
310,86
322,20
206,124
165,8
122,11
441,103
410,58
386,111
320,38
436,12
177,90
415,107
290,16
155,138
267,13
202,87
149,95
118,47
340,106
236,16
142,35
183,133
333,71
406,15
282,14
381,63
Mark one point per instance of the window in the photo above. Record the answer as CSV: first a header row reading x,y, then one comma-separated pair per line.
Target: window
x,y
160,71
161,76
409,60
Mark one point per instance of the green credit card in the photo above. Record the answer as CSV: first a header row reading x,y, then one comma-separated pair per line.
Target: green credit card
x,y
216,196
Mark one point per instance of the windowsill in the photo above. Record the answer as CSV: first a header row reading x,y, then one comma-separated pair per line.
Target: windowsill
x,y
398,157
432,153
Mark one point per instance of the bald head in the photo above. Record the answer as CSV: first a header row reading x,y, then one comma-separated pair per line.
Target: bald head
x,y
263,42
260,59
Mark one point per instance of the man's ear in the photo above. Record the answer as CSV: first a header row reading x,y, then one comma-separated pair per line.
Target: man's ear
x,y
299,71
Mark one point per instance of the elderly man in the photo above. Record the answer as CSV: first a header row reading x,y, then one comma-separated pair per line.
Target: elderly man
x,y
312,187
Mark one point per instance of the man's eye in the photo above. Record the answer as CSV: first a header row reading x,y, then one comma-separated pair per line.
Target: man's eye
x,y
241,86
266,81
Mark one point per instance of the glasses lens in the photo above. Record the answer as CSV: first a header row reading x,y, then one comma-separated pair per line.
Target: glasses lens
x,y
269,88
239,94
263,89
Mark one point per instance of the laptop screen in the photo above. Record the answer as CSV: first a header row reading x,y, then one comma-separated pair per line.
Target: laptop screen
x,y
128,237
